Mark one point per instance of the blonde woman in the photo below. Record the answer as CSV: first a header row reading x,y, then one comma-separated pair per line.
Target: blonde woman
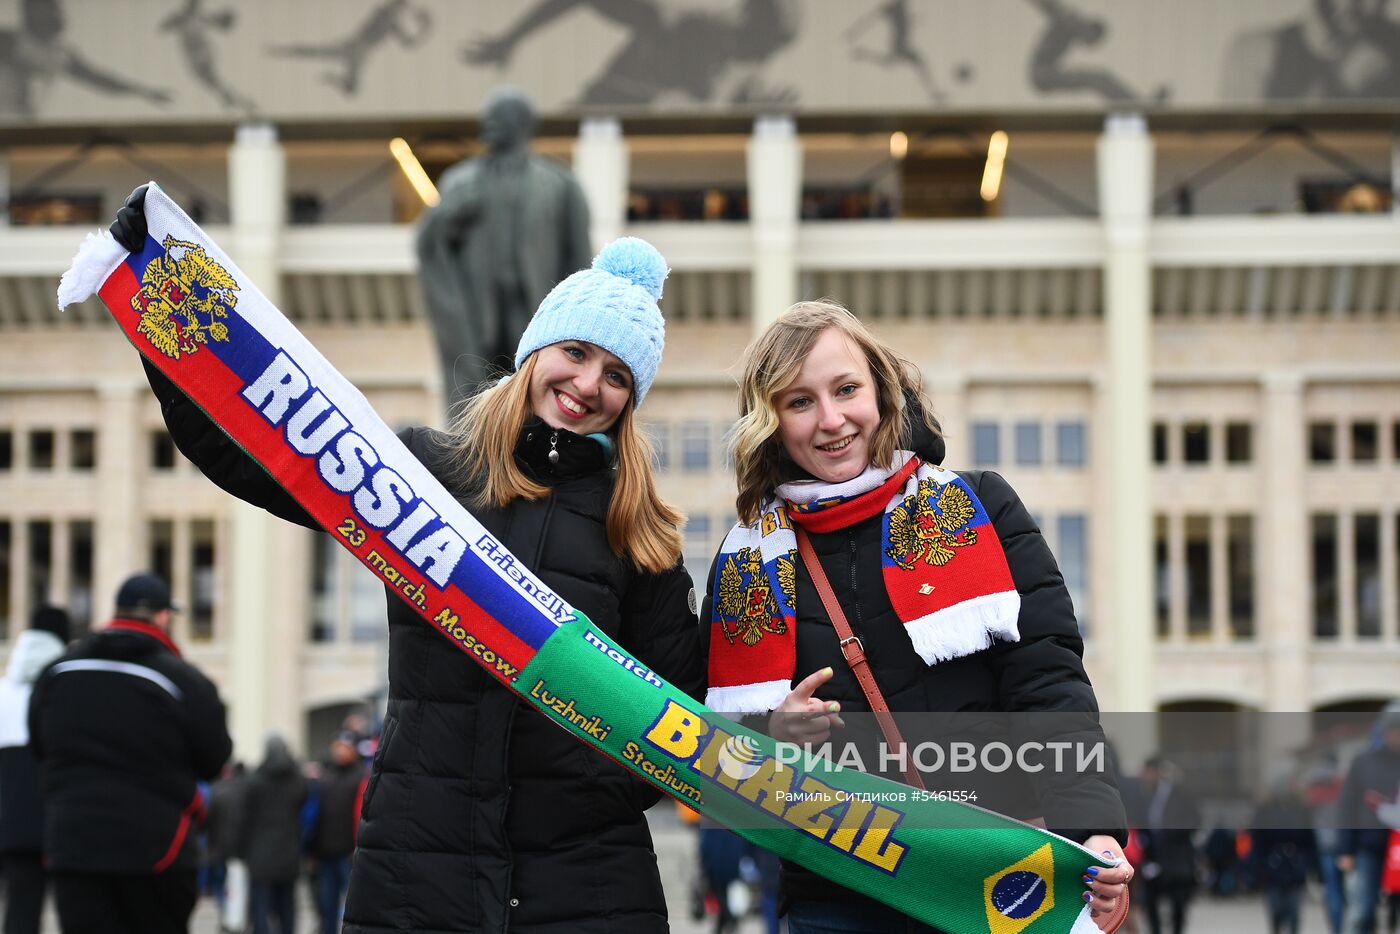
x,y
481,815
834,443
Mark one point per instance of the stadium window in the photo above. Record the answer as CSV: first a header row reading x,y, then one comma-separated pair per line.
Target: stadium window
x,y
162,450
1069,444
202,570
1394,443
1162,574
1239,442
986,444
1198,576
697,552
1195,443
160,534
324,589
1324,575
40,561
660,435
82,449
1365,442
695,445
1027,440
80,565
7,449
1159,442
1239,535
1366,539
41,449
1071,534
6,585
1322,442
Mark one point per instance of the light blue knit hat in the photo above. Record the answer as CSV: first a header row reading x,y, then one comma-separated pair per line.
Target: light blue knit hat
x,y
612,305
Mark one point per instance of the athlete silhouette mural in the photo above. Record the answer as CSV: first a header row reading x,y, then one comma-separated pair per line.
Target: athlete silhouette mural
x,y
697,53
36,53
193,26
400,20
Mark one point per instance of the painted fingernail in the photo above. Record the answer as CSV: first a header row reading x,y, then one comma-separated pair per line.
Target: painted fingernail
x,y
1092,870
1088,896
828,671
1088,880
833,707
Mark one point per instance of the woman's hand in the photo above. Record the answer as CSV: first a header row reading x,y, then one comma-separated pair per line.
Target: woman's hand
x,y
804,719
1105,887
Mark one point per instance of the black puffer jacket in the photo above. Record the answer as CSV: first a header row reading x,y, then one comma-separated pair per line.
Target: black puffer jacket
x,y
123,729
271,833
1041,672
481,815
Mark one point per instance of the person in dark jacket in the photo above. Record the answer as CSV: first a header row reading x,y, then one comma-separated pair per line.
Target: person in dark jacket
x,y
1368,811
1283,853
270,840
1168,828
833,444
481,814
21,805
124,729
339,787
223,830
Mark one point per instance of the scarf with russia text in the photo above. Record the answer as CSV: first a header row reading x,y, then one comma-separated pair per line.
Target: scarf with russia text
x,y
196,316
944,570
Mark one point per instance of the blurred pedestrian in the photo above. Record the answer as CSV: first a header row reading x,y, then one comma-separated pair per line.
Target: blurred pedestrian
x,y
223,829
1284,852
338,789
1168,847
271,838
1367,812
21,805
124,729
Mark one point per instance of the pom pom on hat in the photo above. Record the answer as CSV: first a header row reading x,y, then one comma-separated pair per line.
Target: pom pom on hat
x,y
635,260
612,305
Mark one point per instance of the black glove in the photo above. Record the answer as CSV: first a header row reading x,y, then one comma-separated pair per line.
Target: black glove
x,y
129,229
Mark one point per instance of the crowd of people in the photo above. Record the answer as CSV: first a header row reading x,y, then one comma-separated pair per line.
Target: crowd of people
x,y
476,812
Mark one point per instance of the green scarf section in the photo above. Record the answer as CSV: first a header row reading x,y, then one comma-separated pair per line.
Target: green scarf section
x,y
946,863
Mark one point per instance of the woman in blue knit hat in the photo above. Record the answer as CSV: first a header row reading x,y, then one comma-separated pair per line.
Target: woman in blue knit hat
x,y
480,814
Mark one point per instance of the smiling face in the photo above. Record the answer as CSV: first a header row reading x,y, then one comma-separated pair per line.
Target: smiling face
x,y
579,386
827,415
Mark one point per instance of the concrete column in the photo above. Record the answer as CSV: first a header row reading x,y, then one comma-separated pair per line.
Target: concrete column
x,y
1283,539
1346,574
120,546
601,164
261,691
775,190
1125,164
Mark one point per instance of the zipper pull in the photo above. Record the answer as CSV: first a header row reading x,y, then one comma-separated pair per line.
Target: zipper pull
x,y
554,448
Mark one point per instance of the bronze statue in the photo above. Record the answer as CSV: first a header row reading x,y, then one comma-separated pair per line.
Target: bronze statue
x,y
509,226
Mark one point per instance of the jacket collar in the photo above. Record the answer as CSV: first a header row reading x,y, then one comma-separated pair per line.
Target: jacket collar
x,y
143,628
578,455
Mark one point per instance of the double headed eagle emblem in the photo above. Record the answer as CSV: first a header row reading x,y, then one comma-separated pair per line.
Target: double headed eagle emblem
x,y
930,525
183,295
746,599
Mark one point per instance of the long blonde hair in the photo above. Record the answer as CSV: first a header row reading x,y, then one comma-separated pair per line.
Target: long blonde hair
x,y
772,363
641,525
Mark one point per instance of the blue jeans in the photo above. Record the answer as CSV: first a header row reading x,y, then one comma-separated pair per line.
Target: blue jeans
x,y
332,879
1364,891
1334,900
268,900
862,916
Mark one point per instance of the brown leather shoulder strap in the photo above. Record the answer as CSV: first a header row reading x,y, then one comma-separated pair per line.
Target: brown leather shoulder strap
x,y
854,653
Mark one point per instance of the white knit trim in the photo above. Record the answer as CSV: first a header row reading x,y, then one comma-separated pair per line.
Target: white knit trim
x,y
96,259
966,627
807,491
1084,923
759,697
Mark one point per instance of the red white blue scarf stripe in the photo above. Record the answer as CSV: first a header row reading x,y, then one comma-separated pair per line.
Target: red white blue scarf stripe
x,y
943,565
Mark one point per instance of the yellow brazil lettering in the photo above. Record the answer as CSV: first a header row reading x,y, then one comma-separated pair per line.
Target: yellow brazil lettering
x,y
849,823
